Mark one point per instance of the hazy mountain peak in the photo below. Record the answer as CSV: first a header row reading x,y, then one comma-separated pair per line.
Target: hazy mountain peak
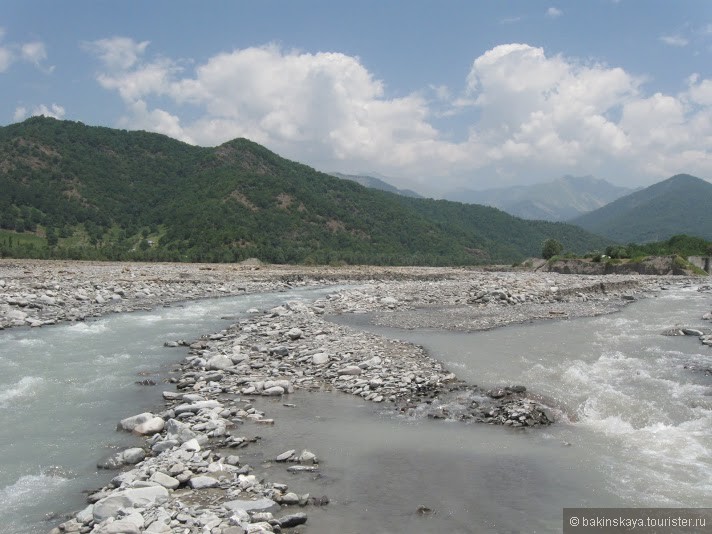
x,y
560,199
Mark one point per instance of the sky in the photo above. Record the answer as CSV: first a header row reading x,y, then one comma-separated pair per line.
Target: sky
x,y
435,96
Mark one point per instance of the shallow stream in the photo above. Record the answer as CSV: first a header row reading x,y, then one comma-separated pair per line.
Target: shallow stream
x,y
635,420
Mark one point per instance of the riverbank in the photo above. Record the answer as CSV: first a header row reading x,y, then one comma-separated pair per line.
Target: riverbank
x,y
188,475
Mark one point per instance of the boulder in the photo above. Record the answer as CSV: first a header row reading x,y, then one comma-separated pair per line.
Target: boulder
x,y
165,480
218,362
132,422
128,499
150,427
202,482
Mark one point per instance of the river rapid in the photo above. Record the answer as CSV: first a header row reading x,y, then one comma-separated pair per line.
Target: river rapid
x,y
634,429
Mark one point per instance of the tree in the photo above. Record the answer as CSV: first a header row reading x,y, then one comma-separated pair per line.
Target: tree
x,y
551,248
52,238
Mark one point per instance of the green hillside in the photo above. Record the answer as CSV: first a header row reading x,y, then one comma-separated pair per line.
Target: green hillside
x,y
101,193
679,205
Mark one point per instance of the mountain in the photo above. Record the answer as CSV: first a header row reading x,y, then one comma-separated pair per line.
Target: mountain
x,y
679,205
558,200
99,193
376,183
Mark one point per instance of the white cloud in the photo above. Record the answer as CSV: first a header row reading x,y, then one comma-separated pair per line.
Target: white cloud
x,y
34,52
118,52
55,111
675,40
554,12
535,115
20,113
6,58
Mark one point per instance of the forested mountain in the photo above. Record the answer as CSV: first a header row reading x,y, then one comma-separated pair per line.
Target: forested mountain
x,y
679,205
558,200
376,183
70,190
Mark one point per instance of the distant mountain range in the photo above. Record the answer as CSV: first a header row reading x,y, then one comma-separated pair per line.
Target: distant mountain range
x,y
679,205
376,183
559,200
73,191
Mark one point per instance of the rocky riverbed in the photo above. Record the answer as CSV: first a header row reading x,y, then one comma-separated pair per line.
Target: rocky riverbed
x,y
188,477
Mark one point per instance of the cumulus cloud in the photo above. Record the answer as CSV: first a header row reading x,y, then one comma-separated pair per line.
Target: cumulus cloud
x,y
54,110
33,52
533,115
675,40
118,52
554,12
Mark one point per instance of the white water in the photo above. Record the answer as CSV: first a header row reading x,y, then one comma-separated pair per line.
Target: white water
x,y
64,388
630,404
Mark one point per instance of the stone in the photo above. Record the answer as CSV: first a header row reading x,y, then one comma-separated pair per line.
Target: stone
x,y
350,370
303,469
150,427
248,506
178,431
218,362
202,482
307,457
132,422
285,456
86,515
195,407
133,456
294,334
128,499
320,358
292,520
274,391
290,498
191,445
164,480
122,526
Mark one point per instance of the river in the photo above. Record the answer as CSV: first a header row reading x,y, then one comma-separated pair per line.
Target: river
x,y
635,424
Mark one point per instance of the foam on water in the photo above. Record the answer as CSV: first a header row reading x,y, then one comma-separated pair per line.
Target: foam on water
x,y
29,489
91,328
25,387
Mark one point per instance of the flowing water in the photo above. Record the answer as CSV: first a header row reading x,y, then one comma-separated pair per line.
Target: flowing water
x,y
635,428
64,388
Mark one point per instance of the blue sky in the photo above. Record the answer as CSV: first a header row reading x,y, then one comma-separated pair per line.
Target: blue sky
x,y
432,95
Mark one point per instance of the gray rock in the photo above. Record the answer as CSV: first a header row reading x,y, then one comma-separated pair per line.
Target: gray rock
x,y
350,370
196,406
290,498
285,456
202,482
132,422
165,480
274,391
178,431
295,333
307,457
133,456
320,358
86,515
150,427
248,506
219,363
128,499
292,520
